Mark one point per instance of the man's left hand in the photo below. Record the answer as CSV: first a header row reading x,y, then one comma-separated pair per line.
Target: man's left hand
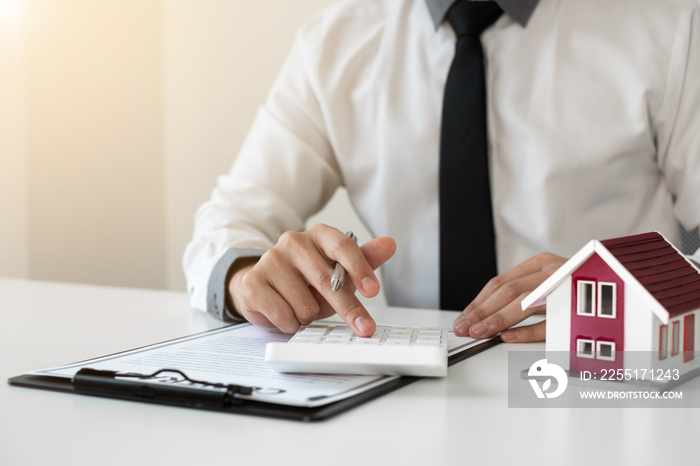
x,y
497,307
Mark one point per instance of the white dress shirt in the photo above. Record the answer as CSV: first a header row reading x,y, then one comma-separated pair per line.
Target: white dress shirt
x,y
594,129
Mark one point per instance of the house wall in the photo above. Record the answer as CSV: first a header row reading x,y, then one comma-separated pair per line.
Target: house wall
x,y
642,337
641,327
559,324
596,327
697,334
639,323
674,360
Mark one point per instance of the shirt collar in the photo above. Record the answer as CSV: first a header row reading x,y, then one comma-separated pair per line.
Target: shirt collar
x,y
519,10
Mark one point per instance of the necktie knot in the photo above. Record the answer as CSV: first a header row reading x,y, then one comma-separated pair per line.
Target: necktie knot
x,y
472,17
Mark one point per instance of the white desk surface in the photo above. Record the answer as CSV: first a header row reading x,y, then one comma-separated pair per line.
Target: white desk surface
x,y
461,419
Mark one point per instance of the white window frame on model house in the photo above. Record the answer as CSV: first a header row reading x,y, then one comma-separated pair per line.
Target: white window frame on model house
x,y
599,351
583,302
580,342
613,299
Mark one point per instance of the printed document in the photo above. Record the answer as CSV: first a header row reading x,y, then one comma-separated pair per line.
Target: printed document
x,y
235,355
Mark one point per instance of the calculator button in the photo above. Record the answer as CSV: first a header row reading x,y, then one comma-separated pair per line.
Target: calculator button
x,y
430,338
338,339
402,341
313,331
374,337
302,339
365,341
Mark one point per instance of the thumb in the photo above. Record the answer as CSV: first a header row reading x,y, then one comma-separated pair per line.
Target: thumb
x,y
378,250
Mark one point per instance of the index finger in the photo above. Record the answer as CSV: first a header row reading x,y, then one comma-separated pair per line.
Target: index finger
x,y
351,310
318,272
316,269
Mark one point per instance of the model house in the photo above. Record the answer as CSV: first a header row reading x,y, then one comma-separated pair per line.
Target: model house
x,y
633,297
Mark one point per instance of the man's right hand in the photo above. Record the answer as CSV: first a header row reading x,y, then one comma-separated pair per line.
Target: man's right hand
x,y
290,285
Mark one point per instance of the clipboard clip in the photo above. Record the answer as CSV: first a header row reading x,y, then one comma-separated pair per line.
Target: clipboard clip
x,y
170,390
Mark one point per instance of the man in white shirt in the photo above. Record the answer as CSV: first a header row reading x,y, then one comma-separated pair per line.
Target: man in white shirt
x,y
594,132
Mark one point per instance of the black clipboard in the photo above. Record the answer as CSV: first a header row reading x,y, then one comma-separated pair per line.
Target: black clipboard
x,y
236,406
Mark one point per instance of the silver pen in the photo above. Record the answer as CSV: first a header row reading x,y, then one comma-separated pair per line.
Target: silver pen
x,y
338,277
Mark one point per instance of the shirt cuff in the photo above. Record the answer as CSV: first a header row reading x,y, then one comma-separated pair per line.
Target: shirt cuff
x,y
216,289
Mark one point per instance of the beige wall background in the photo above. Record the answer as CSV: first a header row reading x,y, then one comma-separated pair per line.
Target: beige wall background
x,y
116,117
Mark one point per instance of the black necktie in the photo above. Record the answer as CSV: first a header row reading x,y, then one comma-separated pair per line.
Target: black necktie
x,y
467,243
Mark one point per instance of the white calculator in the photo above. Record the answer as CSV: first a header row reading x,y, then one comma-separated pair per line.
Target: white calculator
x,y
333,348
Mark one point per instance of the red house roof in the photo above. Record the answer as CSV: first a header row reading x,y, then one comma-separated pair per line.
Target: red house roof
x,y
660,268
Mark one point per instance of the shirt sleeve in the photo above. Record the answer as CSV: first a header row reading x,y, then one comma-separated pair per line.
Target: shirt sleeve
x,y
678,122
284,172
216,287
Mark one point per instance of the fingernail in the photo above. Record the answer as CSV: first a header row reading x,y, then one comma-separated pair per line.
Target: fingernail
x,y
461,326
478,329
363,324
508,335
369,286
